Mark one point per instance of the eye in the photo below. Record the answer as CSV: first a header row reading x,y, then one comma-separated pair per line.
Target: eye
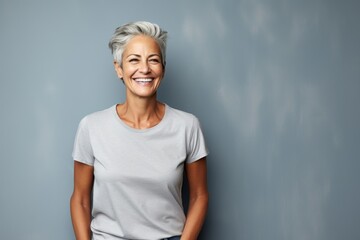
x,y
154,60
133,60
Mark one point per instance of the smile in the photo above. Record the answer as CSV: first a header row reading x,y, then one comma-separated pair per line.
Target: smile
x,y
143,80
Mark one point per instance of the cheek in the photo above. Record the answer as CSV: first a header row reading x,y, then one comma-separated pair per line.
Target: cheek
x,y
160,72
128,71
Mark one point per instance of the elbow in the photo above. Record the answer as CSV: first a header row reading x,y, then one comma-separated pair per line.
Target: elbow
x,y
202,198
80,201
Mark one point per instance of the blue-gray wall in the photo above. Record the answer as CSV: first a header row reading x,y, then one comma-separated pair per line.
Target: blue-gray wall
x,y
275,84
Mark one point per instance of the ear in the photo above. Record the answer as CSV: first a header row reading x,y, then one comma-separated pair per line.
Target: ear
x,y
163,66
118,70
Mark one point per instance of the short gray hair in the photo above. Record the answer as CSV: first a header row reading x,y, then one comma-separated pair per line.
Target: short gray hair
x,y
126,32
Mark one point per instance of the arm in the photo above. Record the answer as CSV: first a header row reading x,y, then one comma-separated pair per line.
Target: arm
x,y
198,199
80,203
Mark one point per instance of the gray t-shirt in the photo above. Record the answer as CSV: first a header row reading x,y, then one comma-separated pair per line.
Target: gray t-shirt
x,y
138,173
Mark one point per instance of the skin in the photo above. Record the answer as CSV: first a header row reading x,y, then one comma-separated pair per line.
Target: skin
x,y
141,110
80,202
198,199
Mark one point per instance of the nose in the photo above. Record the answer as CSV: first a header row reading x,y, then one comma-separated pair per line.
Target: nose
x,y
144,67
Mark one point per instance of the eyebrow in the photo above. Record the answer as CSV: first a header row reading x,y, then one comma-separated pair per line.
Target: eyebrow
x,y
137,55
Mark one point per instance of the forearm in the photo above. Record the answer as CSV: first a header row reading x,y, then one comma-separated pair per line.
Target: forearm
x,y
81,218
195,217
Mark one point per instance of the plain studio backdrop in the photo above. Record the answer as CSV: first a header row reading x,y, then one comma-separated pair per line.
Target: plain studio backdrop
x,y
275,84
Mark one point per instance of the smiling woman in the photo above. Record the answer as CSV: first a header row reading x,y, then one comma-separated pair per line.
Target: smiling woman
x,y
132,155
141,68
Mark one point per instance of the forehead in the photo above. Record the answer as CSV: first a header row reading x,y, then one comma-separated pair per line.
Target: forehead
x,y
142,44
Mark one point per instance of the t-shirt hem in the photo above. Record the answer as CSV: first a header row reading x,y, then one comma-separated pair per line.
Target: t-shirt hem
x,y
197,158
82,161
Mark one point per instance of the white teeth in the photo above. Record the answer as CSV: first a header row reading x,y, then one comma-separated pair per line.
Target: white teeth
x,y
143,79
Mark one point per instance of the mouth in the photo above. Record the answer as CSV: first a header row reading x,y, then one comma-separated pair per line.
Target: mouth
x,y
143,81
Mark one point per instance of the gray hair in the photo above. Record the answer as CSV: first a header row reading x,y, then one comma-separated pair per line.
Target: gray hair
x,y
126,32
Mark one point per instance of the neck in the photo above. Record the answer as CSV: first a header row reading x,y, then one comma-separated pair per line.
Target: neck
x,y
141,113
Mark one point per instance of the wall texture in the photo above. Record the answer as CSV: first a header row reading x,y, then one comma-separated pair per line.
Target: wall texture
x,y
275,84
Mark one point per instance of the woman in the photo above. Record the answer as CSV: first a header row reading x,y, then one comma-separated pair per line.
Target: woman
x,y
130,158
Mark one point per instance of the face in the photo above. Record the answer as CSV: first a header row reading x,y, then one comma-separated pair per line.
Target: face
x,y
142,69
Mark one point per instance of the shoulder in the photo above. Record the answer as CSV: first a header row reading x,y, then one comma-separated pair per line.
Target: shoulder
x,y
98,117
181,115
182,118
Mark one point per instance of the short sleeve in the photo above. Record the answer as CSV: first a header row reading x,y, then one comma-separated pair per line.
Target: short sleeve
x,y
83,151
196,144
